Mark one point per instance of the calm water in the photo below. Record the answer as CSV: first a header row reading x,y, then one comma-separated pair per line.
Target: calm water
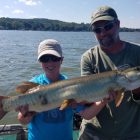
x,y
18,51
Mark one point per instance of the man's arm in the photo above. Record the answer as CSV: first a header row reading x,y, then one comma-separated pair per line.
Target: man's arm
x,y
96,107
92,110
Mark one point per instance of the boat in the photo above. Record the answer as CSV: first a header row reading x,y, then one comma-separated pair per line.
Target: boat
x,y
13,132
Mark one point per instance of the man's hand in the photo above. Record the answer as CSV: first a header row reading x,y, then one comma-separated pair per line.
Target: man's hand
x,y
115,95
110,97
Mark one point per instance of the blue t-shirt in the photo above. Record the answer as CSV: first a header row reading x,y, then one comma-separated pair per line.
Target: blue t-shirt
x,y
53,124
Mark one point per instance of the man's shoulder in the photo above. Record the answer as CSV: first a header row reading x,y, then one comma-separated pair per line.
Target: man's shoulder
x,y
132,44
90,51
132,48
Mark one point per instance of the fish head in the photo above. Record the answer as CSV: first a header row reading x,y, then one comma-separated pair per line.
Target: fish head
x,y
130,78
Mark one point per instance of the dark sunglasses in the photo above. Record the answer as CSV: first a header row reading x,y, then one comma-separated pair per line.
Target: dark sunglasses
x,y
106,27
47,58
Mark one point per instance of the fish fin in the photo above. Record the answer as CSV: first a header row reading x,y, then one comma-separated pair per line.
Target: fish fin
x,y
119,98
2,112
67,103
25,86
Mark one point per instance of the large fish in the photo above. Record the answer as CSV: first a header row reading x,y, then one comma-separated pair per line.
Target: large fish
x,y
90,88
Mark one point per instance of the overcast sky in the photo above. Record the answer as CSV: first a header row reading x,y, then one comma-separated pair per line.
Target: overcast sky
x,y
71,10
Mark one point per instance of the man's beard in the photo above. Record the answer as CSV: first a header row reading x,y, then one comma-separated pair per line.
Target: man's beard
x,y
107,42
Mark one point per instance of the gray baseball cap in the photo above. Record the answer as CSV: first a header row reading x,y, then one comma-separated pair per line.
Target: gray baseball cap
x,y
104,13
49,46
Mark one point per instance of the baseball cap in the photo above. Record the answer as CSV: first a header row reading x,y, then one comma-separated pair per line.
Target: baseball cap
x,y
104,13
49,46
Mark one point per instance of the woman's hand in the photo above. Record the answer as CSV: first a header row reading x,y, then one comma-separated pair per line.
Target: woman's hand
x,y
25,116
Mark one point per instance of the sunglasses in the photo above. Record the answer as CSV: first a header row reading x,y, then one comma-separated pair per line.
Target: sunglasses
x,y
106,27
47,58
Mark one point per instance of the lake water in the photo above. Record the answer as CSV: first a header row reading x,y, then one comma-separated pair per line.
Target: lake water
x,y
18,55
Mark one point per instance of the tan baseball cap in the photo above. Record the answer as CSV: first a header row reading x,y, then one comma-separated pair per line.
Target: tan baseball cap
x,y
49,46
104,13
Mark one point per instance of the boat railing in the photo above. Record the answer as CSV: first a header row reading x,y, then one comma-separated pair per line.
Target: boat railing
x,y
13,132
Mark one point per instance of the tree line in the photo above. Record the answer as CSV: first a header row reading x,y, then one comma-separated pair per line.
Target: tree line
x,y
42,24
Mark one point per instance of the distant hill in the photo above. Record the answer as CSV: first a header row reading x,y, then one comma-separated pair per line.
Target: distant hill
x,y
42,24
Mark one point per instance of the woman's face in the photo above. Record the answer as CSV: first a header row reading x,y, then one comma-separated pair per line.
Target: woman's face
x,y
51,64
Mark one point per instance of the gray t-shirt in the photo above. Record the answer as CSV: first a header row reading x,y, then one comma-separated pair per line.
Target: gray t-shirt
x,y
124,121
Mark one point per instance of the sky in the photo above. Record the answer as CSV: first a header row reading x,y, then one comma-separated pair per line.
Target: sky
x,y
78,11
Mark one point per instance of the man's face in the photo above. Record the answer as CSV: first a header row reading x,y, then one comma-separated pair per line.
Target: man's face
x,y
106,32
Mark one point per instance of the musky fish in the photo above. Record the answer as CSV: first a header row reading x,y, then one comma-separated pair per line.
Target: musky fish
x,y
90,88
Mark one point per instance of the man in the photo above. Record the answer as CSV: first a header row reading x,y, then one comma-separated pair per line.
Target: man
x,y
54,124
109,122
